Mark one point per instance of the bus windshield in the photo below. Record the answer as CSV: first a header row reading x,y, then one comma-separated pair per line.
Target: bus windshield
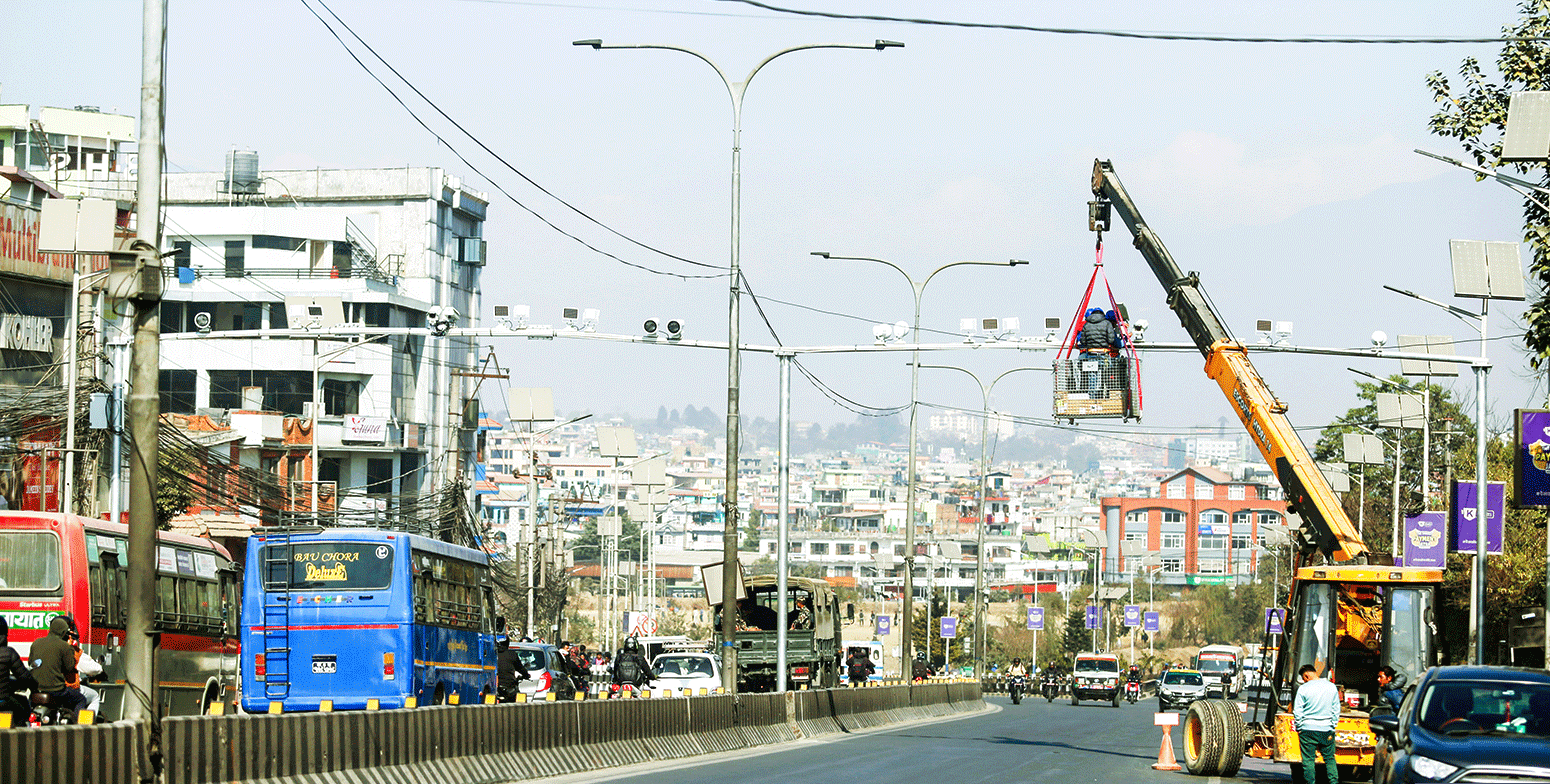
x,y
1215,664
330,566
29,561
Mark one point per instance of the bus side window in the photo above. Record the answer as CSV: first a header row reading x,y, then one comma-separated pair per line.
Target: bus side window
x,y
166,600
97,584
112,594
489,621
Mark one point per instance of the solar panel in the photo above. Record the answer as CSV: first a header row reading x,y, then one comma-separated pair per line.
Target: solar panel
x,y
1413,344
1528,128
1441,344
1469,272
1388,409
1337,477
1504,267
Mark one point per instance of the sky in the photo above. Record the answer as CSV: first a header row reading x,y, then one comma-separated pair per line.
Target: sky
x,y
1282,173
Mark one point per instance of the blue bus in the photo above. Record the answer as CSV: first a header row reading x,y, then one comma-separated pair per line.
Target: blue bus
x,y
355,614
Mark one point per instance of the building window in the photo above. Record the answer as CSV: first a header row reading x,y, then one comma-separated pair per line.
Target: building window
x,y
1269,518
344,256
1135,535
379,476
1241,541
1235,492
1176,489
1213,542
1173,516
236,258
177,391
1213,517
1136,516
270,242
1204,491
1173,541
182,253
1173,565
844,548
341,397
819,548
1213,567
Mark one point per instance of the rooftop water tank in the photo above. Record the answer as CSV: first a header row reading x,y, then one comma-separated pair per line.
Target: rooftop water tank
x,y
241,172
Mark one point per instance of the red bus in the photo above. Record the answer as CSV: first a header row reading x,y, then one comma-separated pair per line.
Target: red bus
x,y
55,564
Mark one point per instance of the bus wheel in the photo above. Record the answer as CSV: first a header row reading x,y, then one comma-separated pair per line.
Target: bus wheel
x,y
211,696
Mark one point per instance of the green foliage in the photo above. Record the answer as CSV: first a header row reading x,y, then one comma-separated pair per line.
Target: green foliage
x,y
929,633
588,545
1452,431
1477,117
1212,614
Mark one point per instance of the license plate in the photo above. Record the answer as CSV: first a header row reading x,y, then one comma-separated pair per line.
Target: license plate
x,y
325,665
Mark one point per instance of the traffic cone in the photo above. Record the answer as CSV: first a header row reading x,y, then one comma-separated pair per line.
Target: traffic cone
x,y
1165,760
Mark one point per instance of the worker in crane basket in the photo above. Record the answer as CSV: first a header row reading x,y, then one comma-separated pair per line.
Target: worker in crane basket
x,y
1099,343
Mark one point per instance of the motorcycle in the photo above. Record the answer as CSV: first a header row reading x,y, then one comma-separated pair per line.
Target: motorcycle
x,y
1050,687
1015,687
1133,691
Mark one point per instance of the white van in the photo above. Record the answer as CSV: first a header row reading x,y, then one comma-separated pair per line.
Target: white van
x,y
1222,667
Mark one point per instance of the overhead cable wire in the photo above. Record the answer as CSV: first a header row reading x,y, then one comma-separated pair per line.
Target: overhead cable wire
x,y
421,122
1147,36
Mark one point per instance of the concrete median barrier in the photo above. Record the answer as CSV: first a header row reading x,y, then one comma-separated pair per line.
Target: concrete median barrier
x,y
466,743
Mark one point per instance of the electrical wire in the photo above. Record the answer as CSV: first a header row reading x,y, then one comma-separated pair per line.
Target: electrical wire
x,y
1148,36
493,183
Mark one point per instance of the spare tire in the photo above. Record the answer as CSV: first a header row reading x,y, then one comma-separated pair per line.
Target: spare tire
x,y
1204,738
1235,737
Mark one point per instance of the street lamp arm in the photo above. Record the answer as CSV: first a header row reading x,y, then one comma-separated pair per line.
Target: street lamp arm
x,y
597,43
1460,313
897,268
1007,263
879,45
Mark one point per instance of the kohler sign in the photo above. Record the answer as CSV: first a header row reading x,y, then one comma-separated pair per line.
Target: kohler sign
x,y
26,333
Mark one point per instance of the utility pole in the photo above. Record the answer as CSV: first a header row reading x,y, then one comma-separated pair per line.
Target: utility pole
x,y
140,698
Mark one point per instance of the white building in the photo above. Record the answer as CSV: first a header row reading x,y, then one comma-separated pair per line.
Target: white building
x,y
254,250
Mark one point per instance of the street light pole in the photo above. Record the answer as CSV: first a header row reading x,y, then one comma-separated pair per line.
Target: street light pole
x,y
982,522
734,319
918,289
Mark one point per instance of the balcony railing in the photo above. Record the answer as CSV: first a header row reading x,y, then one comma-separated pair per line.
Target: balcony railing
x,y
190,274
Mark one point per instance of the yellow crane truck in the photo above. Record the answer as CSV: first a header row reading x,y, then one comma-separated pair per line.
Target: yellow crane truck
x,y
1348,612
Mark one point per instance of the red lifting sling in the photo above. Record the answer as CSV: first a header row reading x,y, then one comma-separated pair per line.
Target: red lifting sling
x,y
1075,400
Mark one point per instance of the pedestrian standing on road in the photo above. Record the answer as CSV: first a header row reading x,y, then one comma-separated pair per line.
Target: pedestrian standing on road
x,y
1314,713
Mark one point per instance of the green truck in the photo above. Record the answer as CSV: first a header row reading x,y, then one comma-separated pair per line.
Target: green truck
x,y
812,637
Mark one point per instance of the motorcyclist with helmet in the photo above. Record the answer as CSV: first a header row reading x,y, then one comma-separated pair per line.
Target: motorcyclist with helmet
x,y
53,665
1133,676
630,667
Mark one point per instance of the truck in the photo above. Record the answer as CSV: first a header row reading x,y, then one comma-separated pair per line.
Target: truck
x,y
1095,676
813,656
1222,668
1347,612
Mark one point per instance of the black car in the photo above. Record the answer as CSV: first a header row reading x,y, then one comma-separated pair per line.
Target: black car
x,y
1467,724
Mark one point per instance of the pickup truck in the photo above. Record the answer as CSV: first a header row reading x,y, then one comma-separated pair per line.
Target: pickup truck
x,y
812,647
1095,676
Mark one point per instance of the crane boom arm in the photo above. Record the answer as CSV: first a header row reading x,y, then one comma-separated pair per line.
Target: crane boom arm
x,y
1325,523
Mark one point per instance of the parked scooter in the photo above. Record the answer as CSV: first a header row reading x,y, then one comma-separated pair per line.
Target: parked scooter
x,y
1015,686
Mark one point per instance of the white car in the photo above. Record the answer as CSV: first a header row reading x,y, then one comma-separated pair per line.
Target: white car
x,y
692,671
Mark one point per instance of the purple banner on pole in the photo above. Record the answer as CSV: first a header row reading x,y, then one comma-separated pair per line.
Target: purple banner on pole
x,y
1461,519
1132,615
1036,618
949,627
1274,620
1092,617
1152,621
1426,540
884,625
1531,463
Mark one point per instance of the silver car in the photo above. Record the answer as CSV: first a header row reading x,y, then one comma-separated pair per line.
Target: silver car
x,y
547,672
1179,688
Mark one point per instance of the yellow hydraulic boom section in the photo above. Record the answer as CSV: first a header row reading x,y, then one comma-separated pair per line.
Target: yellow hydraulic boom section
x,y
1326,526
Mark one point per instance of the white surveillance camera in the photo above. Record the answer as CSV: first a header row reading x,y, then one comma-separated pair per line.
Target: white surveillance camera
x,y
651,326
881,333
675,329
1379,339
202,322
1139,325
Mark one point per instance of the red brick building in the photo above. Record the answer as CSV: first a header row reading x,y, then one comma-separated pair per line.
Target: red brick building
x,y
1203,527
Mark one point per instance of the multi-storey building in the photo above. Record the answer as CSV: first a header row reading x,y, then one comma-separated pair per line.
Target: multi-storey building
x,y
1201,527
389,415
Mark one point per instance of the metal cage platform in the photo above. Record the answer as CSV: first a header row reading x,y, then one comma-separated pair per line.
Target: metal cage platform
x,y
1097,388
